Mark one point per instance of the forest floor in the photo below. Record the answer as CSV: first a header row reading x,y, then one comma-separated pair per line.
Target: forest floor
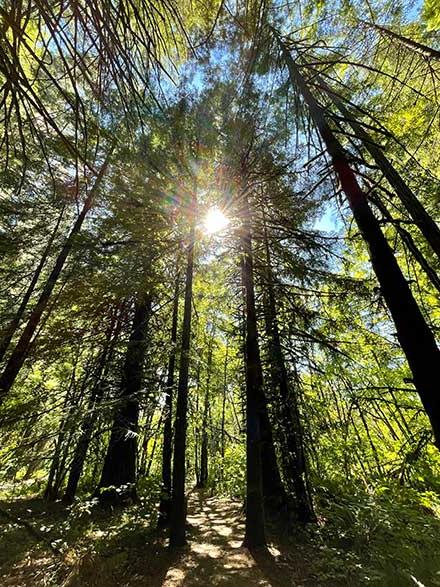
x,y
122,548
214,555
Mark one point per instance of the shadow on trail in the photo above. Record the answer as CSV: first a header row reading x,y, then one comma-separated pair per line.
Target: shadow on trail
x,y
215,556
122,548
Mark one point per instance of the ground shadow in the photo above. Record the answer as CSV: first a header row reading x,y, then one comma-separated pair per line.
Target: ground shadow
x,y
121,547
215,555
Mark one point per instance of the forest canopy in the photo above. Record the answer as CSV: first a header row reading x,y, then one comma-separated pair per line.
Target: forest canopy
x,y
219,292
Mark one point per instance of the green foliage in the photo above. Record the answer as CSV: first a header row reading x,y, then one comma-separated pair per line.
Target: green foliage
x,y
381,537
431,14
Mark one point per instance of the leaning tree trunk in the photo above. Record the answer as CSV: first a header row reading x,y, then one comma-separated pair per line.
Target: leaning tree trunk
x,y
415,209
96,396
408,240
119,471
419,48
51,490
21,349
11,328
167,448
178,505
413,333
293,457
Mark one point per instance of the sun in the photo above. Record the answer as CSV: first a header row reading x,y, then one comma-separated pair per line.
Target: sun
x,y
215,221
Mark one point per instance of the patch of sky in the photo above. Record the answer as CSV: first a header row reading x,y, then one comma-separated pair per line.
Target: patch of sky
x,y
329,220
412,10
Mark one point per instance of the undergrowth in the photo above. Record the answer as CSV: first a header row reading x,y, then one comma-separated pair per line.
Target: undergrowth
x,y
389,536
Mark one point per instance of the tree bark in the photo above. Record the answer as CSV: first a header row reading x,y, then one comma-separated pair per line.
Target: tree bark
x,y
275,497
21,349
255,534
408,240
424,50
413,333
11,328
118,478
178,506
167,449
416,210
287,405
96,396
204,448
51,491
223,417
225,390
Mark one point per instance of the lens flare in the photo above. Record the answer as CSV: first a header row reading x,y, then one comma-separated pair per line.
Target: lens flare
x,y
215,221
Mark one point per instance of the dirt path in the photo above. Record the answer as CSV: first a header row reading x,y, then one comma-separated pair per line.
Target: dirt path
x,y
215,555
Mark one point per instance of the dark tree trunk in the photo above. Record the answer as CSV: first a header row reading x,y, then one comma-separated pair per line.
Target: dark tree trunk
x,y
21,349
203,480
223,414
255,535
287,405
178,506
51,491
275,498
96,396
167,449
197,427
119,471
225,390
204,461
422,219
408,240
413,333
11,328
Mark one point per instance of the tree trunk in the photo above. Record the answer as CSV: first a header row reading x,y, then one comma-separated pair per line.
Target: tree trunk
x,y
96,396
275,497
287,405
51,492
408,240
144,438
422,219
223,414
178,505
153,448
21,349
413,333
197,426
167,449
11,328
255,535
204,449
119,471
423,50
225,390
